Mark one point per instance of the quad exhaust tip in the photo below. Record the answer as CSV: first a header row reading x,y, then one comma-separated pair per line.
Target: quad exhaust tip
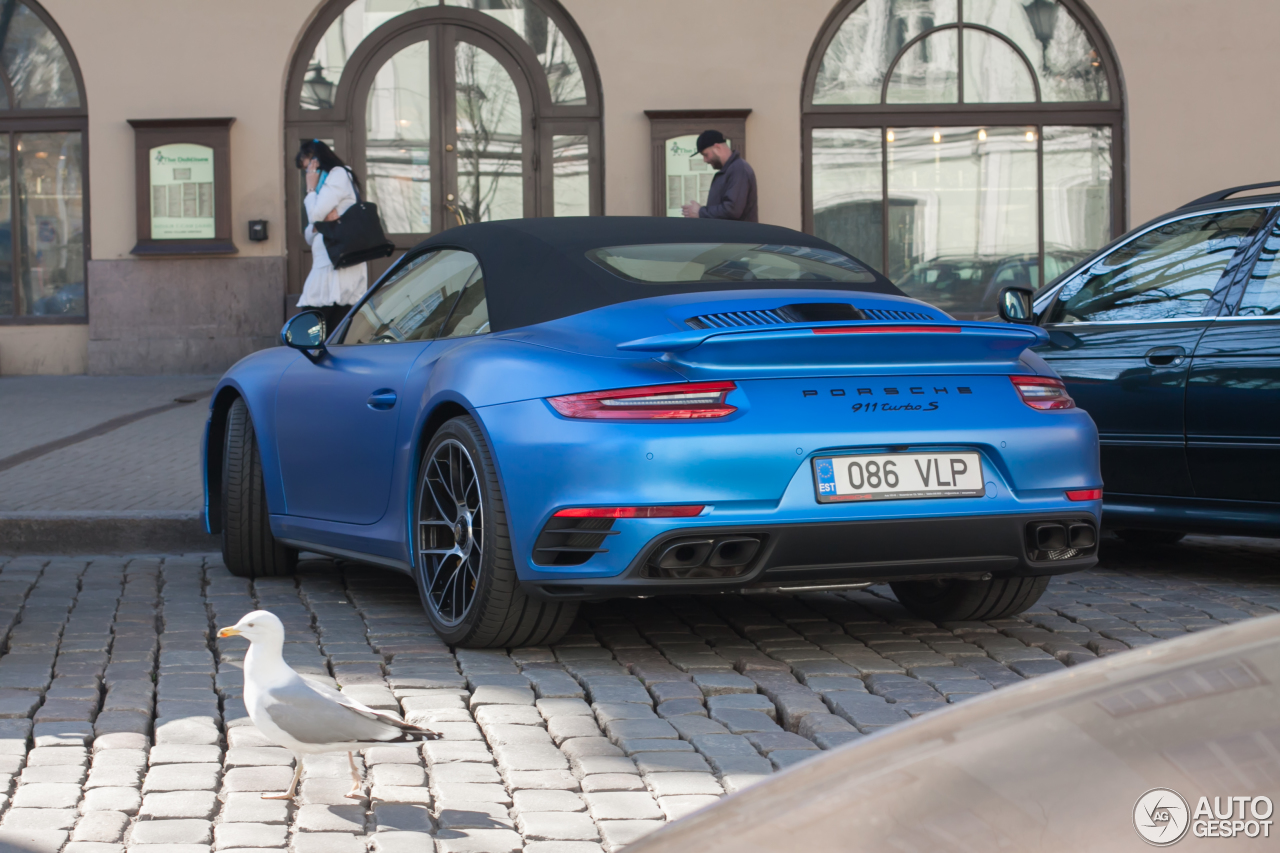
x,y
704,557
1060,540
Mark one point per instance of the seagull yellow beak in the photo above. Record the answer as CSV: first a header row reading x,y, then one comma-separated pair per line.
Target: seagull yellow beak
x,y
229,632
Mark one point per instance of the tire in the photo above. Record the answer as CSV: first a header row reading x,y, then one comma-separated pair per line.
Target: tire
x,y
1151,537
954,600
248,548
466,574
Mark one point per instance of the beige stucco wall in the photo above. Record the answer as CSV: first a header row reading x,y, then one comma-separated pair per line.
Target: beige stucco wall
x,y
1192,70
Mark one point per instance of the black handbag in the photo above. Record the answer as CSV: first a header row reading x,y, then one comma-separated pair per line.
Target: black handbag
x,y
356,236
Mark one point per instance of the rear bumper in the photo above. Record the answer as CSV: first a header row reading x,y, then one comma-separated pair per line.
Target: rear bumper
x,y
848,552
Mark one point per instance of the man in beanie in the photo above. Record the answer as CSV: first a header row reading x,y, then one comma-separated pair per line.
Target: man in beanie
x,y
733,189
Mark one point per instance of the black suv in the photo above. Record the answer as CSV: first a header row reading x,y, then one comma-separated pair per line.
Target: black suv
x,y
1170,338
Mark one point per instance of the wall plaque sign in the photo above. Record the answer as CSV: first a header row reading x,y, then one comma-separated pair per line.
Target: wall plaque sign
x,y
183,186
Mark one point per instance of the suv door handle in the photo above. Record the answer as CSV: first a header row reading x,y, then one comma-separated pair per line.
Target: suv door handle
x,y
382,399
1166,356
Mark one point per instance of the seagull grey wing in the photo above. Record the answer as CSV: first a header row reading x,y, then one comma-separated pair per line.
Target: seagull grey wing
x,y
311,718
390,719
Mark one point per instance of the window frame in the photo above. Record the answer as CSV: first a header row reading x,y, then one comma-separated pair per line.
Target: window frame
x,y
343,123
1038,114
54,120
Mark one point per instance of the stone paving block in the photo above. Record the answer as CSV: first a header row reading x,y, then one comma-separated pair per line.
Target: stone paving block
x,y
446,752
556,826
126,800
1032,668
186,754
404,794
608,712
508,715
682,784
617,834
257,779
783,758
395,841
316,817
467,772
618,730
741,722
563,708
622,805
471,792
832,740
183,777
612,782
32,840
397,774
722,683
47,756
677,806
64,773
563,728
493,695
180,804
249,807
589,765
547,801
864,710
48,795
741,702
530,757
478,841
186,730
101,826
171,832
462,814
667,762
234,836
563,847
402,817
40,818
327,842
768,742
635,746
541,779
18,704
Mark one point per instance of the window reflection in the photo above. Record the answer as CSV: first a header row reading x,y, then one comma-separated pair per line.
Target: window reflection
x,y
51,222
1262,296
414,305
398,141
1166,273
926,73
847,191
570,182
490,144
38,70
859,55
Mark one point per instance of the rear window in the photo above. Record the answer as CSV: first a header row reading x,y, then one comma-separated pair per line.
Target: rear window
x,y
680,263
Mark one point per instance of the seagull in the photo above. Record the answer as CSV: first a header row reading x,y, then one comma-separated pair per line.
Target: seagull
x,y
303,715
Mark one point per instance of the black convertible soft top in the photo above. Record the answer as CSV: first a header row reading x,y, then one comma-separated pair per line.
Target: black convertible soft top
x,y
536,270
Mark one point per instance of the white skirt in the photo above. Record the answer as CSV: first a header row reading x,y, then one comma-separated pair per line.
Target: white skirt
x,y
328,286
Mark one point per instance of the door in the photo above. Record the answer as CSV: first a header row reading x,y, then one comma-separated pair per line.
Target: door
x,y
1233,392
446,133
1122,332
336,419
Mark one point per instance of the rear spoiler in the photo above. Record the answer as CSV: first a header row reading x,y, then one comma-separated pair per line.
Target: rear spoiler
x,y
1003,338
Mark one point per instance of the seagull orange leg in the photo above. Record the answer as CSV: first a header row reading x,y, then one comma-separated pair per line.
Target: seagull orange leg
x,y
293,786
354,793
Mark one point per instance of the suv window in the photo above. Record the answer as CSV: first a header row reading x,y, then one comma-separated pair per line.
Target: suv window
x,y
1166,273
1262,296
416,303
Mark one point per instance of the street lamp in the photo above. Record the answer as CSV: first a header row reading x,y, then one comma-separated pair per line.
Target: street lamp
x,y
1043,15
317,90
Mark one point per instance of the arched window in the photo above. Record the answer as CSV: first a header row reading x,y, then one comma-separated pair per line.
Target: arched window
x,y
43,124
962,146
448,112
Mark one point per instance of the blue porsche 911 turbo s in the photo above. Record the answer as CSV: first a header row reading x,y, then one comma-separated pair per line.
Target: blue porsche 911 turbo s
x,y
527,414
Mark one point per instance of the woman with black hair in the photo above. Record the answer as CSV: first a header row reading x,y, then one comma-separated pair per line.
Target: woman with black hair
x,y
331,189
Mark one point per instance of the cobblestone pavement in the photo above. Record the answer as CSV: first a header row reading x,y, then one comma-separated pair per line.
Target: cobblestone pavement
x,y
122,724
151,464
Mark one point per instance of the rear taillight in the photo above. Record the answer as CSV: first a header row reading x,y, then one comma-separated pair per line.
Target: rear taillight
x,y
1041,392
652,402
1084,495
687,511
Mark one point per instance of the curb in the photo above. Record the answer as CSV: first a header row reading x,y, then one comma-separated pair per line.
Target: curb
x,y
140,532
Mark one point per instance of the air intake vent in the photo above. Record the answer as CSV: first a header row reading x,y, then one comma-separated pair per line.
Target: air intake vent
x,y
571,541
737,319
889,314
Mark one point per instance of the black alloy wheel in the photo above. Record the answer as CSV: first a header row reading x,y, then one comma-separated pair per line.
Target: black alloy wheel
x,y
462,550
450,531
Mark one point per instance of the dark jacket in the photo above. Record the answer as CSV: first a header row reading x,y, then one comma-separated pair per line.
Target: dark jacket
x,y
733,193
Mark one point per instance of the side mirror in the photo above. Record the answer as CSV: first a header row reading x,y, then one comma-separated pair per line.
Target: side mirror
x,y
1014,305
304,332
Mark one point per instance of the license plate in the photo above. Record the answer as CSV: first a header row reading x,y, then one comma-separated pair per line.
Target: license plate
x,y
898,476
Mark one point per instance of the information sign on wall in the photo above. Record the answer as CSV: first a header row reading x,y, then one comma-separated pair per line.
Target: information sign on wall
x,y
182,196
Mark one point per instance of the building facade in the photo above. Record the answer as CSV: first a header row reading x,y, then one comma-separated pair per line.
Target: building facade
x,y
957,145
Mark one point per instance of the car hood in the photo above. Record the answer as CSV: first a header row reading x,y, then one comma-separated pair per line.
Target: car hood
x,y
1055,764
